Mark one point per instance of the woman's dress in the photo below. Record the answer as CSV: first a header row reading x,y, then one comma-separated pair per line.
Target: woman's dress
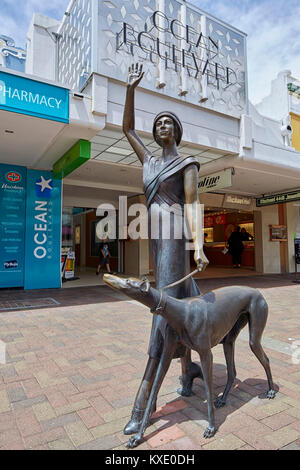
x,y
169,254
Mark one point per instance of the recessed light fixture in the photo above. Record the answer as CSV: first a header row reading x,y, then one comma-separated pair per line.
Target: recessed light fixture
x,y
7,131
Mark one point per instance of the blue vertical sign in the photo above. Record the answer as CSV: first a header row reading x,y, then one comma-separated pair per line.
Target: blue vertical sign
x,y
12,225
43,231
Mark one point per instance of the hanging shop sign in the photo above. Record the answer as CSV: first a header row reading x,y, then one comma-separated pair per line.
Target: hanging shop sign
x,y
79,154
278,199
222,179
232,201
43,231
185,52
12,225
25,96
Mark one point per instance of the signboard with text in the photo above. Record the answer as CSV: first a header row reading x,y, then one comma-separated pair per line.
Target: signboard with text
x,y
43,231
25,96
278,199
186,53
12,225
222,179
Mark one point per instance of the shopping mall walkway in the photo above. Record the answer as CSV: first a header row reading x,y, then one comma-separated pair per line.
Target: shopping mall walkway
x,y
75,358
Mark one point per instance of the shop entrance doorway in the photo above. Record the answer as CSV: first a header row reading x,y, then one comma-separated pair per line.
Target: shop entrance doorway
x,y
218,226
81,244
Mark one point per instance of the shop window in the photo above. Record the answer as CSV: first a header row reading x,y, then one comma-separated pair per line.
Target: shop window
x,y
67,227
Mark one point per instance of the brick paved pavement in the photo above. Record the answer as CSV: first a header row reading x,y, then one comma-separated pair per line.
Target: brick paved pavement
x,y
73,370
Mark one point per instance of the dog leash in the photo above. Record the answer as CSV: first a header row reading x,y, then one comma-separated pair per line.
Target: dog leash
x,y
162,301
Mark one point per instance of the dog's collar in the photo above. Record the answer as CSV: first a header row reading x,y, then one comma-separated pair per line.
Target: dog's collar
x,y
161,304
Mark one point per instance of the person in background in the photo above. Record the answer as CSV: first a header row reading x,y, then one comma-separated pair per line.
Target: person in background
x,y
246,235
104,256
235,247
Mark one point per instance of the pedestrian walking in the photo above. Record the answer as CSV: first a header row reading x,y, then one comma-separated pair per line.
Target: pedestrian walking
x,y
104,257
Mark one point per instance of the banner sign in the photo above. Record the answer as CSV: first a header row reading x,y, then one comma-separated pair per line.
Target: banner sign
x,y
222,179
12,225
70,266
43,231
278,199
22,95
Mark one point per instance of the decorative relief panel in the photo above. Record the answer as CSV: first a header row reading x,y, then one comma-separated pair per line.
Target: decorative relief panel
x,y
186,54
75,45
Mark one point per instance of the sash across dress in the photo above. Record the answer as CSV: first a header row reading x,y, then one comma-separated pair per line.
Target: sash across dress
x,y
165,197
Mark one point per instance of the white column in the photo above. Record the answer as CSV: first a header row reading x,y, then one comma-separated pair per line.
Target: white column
x,y
183,89
161,80
204,57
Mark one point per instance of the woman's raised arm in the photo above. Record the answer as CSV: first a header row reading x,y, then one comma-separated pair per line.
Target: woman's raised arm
x,y
135,75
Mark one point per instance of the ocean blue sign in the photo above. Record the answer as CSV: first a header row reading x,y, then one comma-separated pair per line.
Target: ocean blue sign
x,y
43,231
25,96
12,225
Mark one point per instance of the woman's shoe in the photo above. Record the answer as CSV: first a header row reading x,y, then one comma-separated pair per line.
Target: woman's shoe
x,y
133,426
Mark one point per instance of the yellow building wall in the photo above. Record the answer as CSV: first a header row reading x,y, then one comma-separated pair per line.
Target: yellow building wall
x,y
295,122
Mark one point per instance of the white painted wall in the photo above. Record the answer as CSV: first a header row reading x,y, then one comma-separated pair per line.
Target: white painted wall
x,y
200,126
41,47
276,104
270,250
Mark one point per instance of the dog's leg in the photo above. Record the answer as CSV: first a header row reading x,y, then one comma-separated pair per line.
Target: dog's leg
x,y
164,364
257,349
228,348
206,358
190,370
258,314
141,400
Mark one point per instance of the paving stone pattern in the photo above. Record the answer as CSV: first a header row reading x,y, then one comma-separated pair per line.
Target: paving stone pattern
x,y
73,369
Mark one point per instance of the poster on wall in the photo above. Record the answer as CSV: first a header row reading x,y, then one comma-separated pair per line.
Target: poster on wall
x,y
12,226
43,231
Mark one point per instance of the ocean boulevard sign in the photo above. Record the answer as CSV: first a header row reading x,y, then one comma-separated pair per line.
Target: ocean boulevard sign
x,y
185,52
22,95
43,231
190,58
278,198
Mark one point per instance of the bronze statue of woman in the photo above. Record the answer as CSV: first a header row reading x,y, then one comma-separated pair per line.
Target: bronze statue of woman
x,y
170,181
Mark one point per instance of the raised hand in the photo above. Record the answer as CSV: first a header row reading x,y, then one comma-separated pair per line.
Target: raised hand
x,y
135,75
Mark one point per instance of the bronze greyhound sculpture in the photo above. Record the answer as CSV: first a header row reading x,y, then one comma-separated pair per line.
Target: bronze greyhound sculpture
x,y
200,323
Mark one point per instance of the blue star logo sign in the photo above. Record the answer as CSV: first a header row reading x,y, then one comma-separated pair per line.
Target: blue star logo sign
x,y
43,188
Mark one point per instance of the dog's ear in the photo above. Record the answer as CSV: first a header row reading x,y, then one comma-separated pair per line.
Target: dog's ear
x,y
145,285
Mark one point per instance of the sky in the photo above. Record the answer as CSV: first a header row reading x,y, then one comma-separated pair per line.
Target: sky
x,y
272,27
